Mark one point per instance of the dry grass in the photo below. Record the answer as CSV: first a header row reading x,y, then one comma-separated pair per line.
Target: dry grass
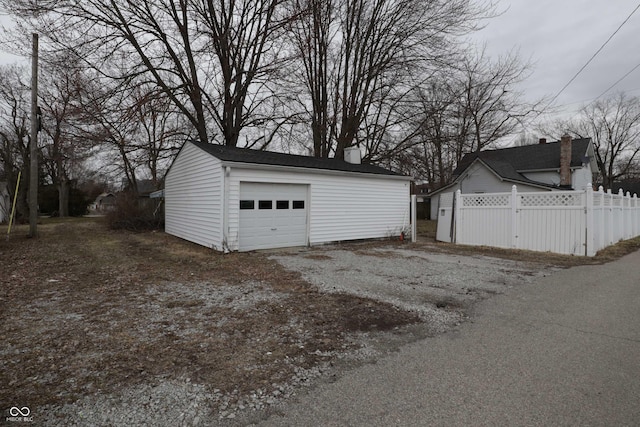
x,y
85,310
427,228
427,233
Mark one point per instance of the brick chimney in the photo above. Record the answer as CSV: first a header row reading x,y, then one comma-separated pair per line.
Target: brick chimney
x,y
565,161
542,141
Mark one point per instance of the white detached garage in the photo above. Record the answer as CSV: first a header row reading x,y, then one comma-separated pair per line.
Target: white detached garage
x,y
235,199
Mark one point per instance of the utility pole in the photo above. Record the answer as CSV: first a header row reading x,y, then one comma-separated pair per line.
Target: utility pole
x,y
33,144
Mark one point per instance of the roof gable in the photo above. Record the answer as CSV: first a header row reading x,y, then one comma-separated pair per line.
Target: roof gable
x,y
505,171
537,157
246,155
510,163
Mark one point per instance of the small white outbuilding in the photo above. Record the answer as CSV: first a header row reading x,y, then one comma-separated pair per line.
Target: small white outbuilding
x,y
235,199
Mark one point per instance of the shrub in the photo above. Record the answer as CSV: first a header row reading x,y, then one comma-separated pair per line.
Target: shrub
x,y
133,213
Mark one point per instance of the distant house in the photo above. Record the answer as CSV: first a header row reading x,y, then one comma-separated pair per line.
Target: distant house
x,y
423,200
234,199
104,202
5,202
144,187
531,167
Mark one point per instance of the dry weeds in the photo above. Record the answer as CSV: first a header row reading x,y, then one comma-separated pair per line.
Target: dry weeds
x,y
86,311
426,240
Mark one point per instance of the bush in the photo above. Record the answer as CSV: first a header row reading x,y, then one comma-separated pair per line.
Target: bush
x,y
133,213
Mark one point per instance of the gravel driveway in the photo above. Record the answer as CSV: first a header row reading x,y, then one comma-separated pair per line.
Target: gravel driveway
x,y
439,287
144,329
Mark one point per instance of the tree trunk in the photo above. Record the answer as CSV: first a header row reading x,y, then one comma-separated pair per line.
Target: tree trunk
x,y
63,198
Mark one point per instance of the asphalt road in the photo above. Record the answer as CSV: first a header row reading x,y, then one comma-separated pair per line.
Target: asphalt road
x,y
563,351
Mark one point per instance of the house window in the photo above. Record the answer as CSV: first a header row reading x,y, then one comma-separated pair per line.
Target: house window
x,y
282,204
246,204
265,204
298,204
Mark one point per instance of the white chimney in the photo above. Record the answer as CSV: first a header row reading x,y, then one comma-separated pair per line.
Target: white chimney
x,y
352,155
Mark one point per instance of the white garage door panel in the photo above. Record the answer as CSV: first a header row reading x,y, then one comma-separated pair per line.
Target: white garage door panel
x,y
272,228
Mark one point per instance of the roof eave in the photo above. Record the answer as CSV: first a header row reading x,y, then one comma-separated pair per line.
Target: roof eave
x,y
264,166
531,183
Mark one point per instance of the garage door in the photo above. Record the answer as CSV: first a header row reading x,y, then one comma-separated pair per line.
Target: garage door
x,y
272,215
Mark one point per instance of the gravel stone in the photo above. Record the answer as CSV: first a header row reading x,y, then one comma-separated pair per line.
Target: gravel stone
x,y
436,286
413,280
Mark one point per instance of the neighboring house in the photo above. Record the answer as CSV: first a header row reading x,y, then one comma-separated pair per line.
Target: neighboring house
x,y
144,186
530,167
5,202
231,199
423,200
104,202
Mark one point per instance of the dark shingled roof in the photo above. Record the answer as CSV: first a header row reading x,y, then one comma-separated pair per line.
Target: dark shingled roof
x,y
245,155
508,163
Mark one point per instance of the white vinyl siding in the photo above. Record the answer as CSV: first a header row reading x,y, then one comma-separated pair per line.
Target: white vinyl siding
x,y
341,206
582,177
358,208
477,180
194,197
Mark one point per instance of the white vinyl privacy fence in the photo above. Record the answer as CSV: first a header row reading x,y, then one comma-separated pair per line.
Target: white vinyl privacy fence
x,y
566,222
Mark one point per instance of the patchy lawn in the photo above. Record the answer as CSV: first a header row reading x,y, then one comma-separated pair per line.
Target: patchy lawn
x,y
87,314
86,311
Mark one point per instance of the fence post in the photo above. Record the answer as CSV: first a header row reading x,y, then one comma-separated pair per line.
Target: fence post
x,y
636,216
414,219
457,221
621,227
514,217
589,243
628,227
602,236
610,218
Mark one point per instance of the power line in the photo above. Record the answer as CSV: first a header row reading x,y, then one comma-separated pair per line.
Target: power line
x,y
619,80
592,56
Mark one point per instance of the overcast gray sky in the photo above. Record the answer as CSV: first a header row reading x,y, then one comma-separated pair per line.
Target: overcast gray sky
x,y
559,36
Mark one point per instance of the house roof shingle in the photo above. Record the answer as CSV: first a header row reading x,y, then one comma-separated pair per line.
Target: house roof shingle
x,y
245,155
508,163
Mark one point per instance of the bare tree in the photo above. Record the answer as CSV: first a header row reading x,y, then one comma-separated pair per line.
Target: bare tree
x,y
210,57
613,124
64,151
489,105
438,131
109,123
14,132
464,107
160,131
359,56
134,129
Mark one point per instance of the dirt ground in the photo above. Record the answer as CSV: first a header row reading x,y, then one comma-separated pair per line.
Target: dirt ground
x,y
86,311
